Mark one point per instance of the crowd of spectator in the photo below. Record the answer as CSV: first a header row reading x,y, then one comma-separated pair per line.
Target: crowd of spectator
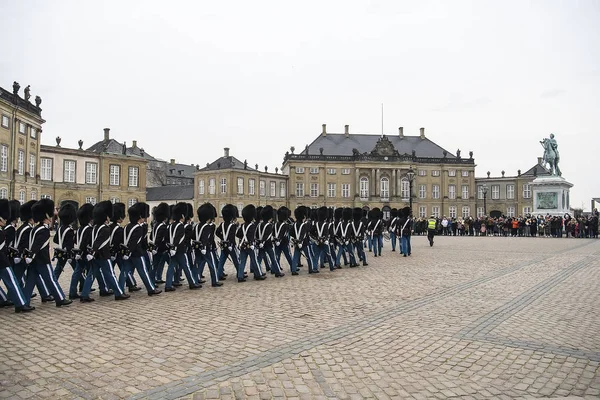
x,y
522,226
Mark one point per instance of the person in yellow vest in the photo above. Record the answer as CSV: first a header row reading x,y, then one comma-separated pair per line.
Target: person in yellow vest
x,y
431,226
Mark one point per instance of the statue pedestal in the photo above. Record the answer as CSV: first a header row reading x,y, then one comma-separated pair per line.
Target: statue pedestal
x,y
551,195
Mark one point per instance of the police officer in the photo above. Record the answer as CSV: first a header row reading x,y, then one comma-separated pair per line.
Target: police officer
x,y
431,227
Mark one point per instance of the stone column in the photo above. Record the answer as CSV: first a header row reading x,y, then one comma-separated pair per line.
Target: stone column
x,y
377,183
357,182
393,183
372,183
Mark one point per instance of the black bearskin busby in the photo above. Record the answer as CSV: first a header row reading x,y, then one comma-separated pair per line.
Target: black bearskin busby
x,y
249,213
205,213
25,211
282,214
84,214
394,213
189,214
300,213
118,212
102,211
136,212
357,213
15,206
405,212
161,212
42,209
4,209
67,214
228,212
337,214
179,211
347,214
322,214
266,213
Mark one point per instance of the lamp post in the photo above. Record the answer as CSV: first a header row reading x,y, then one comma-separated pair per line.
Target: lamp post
x,y
410,175
485,190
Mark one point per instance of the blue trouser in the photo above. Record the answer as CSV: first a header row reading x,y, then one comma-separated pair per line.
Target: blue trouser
x,y
375,245
19,270
311,250
322,250
296,260
93,273
47,274
268,254
201,261
285,249
77,277
158,264
360,251
140,265
180,260
105,270
393,240
406,249
60,267
254,267
234,259
130,282
3,296
14,288
342,250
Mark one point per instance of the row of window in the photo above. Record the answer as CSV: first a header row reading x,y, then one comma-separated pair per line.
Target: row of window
x,y
510,191
20,161
91,172
346,171
466,211
21,196
262,187
22,127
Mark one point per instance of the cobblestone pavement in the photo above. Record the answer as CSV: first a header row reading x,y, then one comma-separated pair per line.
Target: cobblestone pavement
x,y
470,318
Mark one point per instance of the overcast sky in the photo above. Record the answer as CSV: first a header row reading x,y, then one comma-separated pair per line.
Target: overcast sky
x,y
187,78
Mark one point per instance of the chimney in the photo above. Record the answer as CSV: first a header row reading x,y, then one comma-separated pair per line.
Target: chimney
x,y
539,160
401,132
347,130
422,134
226,151
134,144
324,133
172,161
106,134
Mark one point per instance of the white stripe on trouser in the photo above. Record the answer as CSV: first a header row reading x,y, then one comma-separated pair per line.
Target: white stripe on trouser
x,y
112,272
275,261
312,257
216,265
146,273
103,277
13,279
44,283
3,295
54,283
187,265
253,254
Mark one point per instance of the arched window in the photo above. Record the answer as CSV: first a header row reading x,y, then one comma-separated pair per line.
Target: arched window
x,y
3,193
131,202
33,195
385,188
22,196
364,187
404,188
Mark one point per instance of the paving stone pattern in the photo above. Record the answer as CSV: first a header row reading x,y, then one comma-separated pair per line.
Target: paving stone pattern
x,y
469,318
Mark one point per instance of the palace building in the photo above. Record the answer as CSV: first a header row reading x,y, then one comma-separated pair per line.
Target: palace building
x,y
369,170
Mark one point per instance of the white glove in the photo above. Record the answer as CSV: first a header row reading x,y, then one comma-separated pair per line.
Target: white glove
x,y
89,257
327,243
154,252
261,245
17,260
113,258
203,251
277,243
28,260
299,245
125,258
230,248
251,247
172,253
69,261
78,257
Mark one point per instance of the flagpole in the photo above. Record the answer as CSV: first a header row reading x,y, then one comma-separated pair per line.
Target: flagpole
x,y
381,119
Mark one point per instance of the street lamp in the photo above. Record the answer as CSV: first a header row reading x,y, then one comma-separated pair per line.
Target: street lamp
x,y
410,175
484,189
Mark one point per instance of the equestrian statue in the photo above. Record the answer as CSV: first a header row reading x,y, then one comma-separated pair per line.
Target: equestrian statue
x,y
551,156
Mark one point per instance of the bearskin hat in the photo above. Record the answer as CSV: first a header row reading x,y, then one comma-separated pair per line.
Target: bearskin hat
x,y
178,211
357,213
330,213
405,212
171,211
322,214
259,211
189,212
135,212
84,214
249,213
300,213
313,214
267,213
25,210
337,214
102,211
236,212
347,214
365,213
204,213
15,206
282,214
4,209
214,211
42,209
145,210
161,212
67,214
376,213
394,212
228,212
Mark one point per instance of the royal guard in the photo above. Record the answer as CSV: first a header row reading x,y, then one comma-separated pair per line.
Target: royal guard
x,y
299,237
226,234
246,233
345,238
264,235
202,242
404,230
281,236
320,237
116,240
64,238
83,239
357,231
158,242
374,230
38,255
392,228
178,247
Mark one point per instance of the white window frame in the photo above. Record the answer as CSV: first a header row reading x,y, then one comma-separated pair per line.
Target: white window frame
x,y
495,192
435,191
134,177
299,170
3,193
435,211
22,128
114,200
201,186
451,172
33,132
314,170
345,190
466,212
32,165
480,212
480,192
314,189
422,191
262,188
33,195
4,158
212,182
223,185
251,187
299,189
384,187
465,191
422,172
45,196
452,192
240,185
510,212
114,175
422,211
331,189
5,121
273,188
331,171
527,210
91,200
91,173
69,174
404,188
21,162
452,211
364,187
345,171
510,191
282,189
465,173
526,191
131,202
22,196
435,172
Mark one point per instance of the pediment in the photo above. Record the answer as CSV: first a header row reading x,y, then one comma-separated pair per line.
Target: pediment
x,y
384,147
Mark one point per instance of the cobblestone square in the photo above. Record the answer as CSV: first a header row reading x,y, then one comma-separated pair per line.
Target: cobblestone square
x,y
471,317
